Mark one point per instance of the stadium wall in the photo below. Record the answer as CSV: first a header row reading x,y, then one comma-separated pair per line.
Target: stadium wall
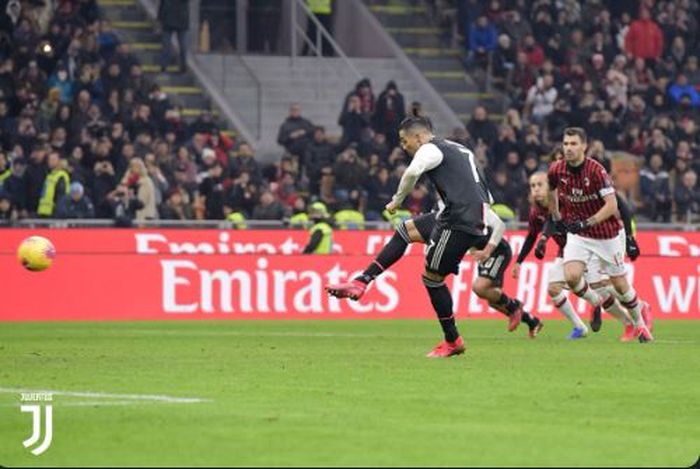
x,y
111,274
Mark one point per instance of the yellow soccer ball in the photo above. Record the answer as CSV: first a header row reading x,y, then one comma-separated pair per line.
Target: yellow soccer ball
x,y
36,253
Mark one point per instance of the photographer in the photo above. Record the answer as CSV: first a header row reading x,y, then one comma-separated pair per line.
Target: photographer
x,y
124,203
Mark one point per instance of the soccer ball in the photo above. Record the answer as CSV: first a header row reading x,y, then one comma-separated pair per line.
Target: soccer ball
x,y
36,253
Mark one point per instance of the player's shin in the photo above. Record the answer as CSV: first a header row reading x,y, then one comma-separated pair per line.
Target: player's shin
x,y
388,256
611,305
630,301
583,290
441,299
562,303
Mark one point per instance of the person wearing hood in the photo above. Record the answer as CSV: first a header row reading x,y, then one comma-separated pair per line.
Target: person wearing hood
x,y
390,111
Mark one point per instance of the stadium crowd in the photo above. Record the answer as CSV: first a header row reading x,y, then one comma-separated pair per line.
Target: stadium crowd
x,y
85,134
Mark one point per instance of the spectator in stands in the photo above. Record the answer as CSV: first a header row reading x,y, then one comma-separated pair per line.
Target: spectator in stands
x,y
323,12
61,81
540,99
380,190
533,51
644,38
353,122
174,19
7,211
388,114
56,185
504,58
295,132
176,206
350,173
319,154
137,179
483,39
480,127
104,180
210,201
125,205
681,88
268,208
244,160
687,197
655,190
76,204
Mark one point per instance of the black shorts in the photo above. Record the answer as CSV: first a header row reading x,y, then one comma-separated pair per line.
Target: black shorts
x,y
447,248
425,224
494,268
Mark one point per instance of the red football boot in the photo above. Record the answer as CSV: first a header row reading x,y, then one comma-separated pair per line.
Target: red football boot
x,y
515,318
353,289
628,336
446,349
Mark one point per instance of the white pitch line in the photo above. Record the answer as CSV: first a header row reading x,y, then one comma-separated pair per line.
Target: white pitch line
x,y
102,395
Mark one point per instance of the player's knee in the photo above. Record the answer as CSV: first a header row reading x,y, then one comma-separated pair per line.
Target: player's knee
x,y
410,229
480,288
553,289
433,279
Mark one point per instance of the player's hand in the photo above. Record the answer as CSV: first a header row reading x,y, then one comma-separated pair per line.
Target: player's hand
x,y
632,248
578,226
541,248
516,270
392,207
560,227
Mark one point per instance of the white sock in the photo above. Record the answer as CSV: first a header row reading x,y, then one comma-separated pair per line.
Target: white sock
x,y
630,301
561,301
584,291
614,309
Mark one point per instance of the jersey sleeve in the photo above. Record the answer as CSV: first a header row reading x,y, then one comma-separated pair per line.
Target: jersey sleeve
x,y
426,158
553,177
601,182
534,225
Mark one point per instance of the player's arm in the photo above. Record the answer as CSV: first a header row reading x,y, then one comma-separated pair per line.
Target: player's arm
x,y
313,243
497,226
426,158
631,245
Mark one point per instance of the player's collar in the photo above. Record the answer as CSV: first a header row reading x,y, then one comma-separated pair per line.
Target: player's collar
x,y
576,169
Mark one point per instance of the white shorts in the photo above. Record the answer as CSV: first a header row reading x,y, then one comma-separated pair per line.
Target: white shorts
x,y
594,274
609,252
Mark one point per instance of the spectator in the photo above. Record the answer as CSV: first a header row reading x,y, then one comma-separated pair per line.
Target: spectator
x,y
480,127
295,132
125,205
380,191
687,197
61,81
104,180
504,58
644,39
268,208
323,12
353,122
350,173
319,154
244,160
655,190
174,18
137,179
483,38
533,51
390,111
7,211
541,98
76,204
177,206
681,88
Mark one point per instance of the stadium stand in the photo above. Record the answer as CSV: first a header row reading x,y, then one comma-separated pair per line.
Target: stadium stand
x,y
82,100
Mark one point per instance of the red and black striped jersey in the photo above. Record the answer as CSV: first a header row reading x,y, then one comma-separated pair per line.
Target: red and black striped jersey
x,y
581,191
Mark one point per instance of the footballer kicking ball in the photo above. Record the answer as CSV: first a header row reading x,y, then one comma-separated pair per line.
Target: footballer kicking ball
x,y
36,253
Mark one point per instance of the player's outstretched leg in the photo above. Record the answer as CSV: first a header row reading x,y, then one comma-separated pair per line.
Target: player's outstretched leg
x,y
613,307
485,289
388,256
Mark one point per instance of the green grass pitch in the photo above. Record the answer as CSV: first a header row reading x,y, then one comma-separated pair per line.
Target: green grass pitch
x,y
352,393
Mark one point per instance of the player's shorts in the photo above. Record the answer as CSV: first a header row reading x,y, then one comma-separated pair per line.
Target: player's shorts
x,y
494,268
555,271
446,249
609,252
425,223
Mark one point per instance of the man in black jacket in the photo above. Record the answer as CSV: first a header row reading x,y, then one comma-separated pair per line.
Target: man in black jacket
x,y
174,17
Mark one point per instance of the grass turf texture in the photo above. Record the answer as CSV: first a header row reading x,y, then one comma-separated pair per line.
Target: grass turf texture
x,y
353,393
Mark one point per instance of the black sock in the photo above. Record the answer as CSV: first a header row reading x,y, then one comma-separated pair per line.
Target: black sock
x,y
441,299
392,252
509,304
529,319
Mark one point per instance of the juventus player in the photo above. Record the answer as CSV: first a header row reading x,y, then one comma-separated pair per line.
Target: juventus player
x,y
588,208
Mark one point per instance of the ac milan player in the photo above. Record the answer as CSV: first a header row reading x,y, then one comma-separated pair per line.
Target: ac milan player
x,y
538,218
588,208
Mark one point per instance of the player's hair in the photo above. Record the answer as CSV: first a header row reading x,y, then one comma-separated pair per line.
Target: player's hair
x,y
581,133
416,122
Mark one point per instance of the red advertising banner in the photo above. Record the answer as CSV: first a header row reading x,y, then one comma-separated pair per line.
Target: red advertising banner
x,y
110,274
